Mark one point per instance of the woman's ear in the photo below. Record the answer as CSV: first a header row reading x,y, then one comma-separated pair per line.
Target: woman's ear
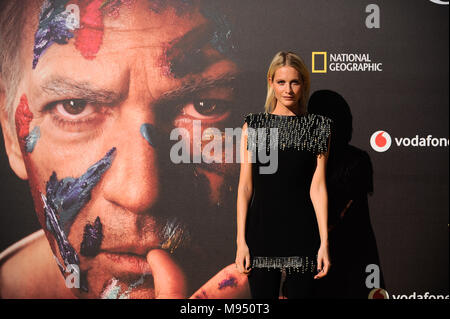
x,y
11,142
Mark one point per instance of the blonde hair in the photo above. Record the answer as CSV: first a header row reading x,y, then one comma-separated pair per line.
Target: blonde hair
x,y
287,59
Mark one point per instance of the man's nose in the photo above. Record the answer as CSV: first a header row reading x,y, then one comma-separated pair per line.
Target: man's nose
x,y
133,179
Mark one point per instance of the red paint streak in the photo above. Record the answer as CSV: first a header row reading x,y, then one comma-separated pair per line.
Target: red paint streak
x,y
90,35
23,119
380,140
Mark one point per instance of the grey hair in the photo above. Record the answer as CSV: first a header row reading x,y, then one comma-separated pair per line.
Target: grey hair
x,y
12,22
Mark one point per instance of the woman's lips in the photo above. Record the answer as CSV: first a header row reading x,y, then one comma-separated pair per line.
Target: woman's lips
x,y
122,263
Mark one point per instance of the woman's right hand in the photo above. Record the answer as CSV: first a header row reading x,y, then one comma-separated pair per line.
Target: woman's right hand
x,y
243,258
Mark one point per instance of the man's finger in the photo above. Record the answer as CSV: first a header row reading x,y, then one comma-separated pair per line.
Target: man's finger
x,y
169,279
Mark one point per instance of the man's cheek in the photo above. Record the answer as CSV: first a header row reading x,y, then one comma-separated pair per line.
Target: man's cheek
x,y
210,151
59,201
27,142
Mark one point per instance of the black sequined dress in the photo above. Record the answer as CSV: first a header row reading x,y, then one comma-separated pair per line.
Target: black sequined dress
x,y
281,226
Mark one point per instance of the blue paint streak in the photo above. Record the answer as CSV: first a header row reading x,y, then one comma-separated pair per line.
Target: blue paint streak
x,y
68,196
52,28
148,132
31,139
230,282
92,239
68,253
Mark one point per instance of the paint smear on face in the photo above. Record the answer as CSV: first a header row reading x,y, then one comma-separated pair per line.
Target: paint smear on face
x,y
83,281
229,282
113,288
23,118
55,26
92,239
148,133
31,139
68,196
174,235
90,36
59,22
65,199
67,252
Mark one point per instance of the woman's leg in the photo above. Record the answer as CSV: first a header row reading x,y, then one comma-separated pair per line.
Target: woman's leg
x,y
298,285
264,284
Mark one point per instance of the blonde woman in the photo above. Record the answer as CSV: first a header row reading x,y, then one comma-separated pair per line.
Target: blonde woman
x,y
282,216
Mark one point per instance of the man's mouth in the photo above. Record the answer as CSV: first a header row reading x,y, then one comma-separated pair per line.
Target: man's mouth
x,y
125,263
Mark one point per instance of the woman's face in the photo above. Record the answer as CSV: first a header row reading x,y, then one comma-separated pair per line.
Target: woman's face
x,y
286,85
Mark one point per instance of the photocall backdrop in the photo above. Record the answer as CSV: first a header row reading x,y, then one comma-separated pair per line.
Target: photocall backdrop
x,y
397,93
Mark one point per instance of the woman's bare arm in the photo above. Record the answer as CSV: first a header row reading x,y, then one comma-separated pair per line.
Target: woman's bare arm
x,y
245,190
319,198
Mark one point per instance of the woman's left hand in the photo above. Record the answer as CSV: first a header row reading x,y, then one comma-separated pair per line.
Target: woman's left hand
x,y
323,261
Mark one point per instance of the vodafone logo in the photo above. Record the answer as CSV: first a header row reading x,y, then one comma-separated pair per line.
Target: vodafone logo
x,y
380,141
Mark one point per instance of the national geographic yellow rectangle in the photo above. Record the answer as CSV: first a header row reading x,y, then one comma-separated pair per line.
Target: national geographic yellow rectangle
x,y
324,70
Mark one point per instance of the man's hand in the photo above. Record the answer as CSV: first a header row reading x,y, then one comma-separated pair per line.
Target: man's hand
x,y
169,278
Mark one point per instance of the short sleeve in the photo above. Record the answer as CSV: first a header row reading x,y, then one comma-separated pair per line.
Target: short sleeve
x,y
248,119
251,134
321,132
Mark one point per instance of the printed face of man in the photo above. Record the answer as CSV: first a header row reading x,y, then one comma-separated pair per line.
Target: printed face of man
x,y
94,114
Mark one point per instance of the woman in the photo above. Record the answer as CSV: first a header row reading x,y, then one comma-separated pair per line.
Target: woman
x,y
282,216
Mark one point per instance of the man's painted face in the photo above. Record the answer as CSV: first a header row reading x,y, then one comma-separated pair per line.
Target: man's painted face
x,y
107,82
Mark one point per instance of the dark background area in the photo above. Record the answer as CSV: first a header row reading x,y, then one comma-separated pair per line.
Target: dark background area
x,y
409,206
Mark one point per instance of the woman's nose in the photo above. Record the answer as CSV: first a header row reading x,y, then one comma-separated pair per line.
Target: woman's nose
x,y
289,89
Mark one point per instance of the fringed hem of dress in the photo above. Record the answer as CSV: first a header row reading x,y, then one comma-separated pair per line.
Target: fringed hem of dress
x,y
292,263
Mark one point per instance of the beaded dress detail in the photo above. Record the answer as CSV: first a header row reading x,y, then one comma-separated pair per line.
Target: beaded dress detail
x,y
281,226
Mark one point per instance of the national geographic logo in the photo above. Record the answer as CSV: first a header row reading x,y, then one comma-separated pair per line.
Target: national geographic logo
x,y
322,62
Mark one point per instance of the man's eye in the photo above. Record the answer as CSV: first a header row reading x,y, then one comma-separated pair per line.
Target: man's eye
x,y
205,109
72,107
